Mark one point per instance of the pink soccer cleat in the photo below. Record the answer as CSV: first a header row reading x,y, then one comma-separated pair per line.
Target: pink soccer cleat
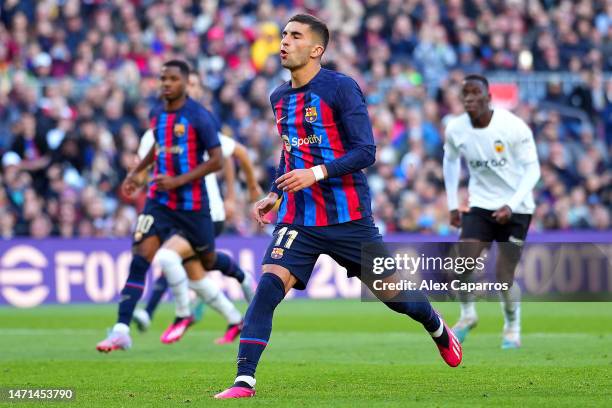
x,y
114,341
233,331
452,354
176,330
236,392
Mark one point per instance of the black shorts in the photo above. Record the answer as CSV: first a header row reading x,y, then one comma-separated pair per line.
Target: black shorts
x,y
297,247
479,224
158,220
219,226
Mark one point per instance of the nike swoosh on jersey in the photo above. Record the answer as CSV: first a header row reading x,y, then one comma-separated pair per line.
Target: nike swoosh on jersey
x,y
279,120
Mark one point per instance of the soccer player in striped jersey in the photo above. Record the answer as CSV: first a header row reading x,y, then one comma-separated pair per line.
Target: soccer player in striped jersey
x,y
216,299
212,295
503,164
323,121
177,204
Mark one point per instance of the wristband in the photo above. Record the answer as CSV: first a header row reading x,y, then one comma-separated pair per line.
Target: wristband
x,y
318,173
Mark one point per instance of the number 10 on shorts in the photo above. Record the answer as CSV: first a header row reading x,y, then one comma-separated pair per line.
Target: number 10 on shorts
x,y
143,225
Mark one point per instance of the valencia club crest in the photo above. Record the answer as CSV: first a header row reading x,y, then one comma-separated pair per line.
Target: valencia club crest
x,y
499,146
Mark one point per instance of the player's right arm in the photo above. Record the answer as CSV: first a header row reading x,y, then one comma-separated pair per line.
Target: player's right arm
x,y
263,206
451,168
134,178
146,154
147,141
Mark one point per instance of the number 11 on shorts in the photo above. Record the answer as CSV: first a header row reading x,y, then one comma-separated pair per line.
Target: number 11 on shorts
x,y
291,235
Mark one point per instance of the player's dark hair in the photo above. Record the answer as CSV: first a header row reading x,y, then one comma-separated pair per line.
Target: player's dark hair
x,y
180,64
316,25
479,78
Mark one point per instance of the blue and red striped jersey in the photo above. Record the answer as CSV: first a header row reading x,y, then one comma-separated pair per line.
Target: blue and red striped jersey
x,y
325,122
181,138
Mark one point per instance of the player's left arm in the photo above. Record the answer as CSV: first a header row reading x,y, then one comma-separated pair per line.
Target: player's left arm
x,y
361,152
206,132
525,149
354,117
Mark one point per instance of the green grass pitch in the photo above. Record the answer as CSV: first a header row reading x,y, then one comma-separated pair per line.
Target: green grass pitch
x,y
322,353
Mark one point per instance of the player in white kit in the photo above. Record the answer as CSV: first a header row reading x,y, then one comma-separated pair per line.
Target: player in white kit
x,y
501,156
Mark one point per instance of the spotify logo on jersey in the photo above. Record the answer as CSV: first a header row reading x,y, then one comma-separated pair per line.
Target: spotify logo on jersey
x,y
297,142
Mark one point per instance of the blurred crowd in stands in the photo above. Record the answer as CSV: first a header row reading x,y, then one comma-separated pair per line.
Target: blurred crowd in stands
x,y
77,80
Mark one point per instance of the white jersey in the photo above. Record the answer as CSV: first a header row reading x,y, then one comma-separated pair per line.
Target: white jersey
x,y
228,145
496,157
146,143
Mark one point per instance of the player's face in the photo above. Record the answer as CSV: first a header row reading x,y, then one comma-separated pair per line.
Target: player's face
x,y
173,83
194,87
298,46
475,98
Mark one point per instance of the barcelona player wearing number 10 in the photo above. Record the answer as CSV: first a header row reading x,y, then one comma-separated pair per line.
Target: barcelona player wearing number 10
x,y
323,121
177,207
